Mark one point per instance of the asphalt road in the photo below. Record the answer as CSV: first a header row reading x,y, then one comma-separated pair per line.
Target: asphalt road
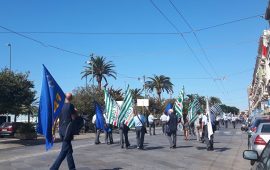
x,y
229,145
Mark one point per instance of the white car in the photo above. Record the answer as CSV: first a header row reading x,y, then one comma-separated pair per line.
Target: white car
x,y
260,138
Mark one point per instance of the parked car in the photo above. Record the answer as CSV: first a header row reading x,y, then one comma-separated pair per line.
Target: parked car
x,y
261,162
8,128
259,139
254,125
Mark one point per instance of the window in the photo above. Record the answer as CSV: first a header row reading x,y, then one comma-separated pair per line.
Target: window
x,y
266,128
265,154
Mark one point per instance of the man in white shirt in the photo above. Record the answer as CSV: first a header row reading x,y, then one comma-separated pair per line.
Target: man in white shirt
x,y
163,120
97,131
151,120
140,128
205,130
234,121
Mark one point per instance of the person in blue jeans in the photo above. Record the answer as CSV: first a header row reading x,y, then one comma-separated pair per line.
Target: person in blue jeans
x,y
67,114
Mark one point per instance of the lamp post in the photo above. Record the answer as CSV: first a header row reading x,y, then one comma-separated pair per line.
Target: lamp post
x,y
9,56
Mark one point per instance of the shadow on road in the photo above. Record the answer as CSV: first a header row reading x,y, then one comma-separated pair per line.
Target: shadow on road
x,y
112,169
153,147
184,146
221,149
28,142
215,149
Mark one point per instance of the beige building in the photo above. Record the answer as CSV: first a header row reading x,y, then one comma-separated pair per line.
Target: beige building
x,y
259,90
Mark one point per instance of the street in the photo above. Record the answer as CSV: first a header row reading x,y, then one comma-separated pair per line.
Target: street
x,y
229,145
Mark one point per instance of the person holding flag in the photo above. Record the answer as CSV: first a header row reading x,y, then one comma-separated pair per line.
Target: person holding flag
x,y
207,128
65,118
99,121
55,104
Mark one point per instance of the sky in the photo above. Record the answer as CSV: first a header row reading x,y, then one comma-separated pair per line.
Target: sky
x,y
139,40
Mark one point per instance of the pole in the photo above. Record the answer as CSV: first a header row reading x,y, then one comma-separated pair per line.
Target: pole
x,y
144,90
9,56
85,82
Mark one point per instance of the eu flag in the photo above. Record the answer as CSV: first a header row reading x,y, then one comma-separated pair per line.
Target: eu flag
x,y
99,117
50,105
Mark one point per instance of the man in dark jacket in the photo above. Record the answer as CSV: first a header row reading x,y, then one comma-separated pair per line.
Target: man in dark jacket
x,y
171,128
66,116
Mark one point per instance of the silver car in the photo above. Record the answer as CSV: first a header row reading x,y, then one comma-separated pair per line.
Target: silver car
x,y
260,138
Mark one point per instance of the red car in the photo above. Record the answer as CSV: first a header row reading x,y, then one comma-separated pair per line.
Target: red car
x,y
8,128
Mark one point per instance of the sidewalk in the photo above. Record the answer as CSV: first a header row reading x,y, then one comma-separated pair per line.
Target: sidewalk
x,y
11,142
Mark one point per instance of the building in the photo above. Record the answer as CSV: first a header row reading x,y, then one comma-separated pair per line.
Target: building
x,y
259,90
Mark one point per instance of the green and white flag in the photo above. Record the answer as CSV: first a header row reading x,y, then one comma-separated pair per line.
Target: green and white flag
x,y
192,111
209,124
112,109
178,105
126,111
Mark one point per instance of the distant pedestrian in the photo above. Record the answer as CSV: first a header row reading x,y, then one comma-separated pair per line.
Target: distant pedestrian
x,y
123,132
140,128
198,127
151,120
108,132
226,120
163,119
66,116
171,128
98,130
209,142
186,128
234,121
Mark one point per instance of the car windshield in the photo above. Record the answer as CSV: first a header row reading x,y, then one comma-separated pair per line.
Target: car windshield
x,y
5,124
266,128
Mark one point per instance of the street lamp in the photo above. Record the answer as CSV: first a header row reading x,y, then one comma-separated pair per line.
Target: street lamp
x,y
9,56
91,62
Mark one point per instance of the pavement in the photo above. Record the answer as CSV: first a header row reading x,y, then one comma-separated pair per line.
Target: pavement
x,y
191,155
11,142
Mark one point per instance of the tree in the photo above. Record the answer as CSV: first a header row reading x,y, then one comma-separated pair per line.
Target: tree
x,y
136,94
229,109
116,94
160,84
16,92
214,100
99,69
84,98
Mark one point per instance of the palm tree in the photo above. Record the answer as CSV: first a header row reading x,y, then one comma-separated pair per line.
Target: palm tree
x,y
116,93
160,84
136,94
99,68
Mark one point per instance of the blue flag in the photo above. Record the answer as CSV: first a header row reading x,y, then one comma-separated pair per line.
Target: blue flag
x,y
168,107
99,117
51,102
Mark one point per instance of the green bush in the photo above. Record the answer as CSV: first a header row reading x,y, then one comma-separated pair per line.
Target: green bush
x,y
26,128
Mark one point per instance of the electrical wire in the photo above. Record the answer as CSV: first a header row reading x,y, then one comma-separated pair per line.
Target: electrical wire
x,y
42,43
185,40
198,41
136,33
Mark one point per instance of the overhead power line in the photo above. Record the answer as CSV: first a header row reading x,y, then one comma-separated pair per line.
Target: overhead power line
x,y
185,40
43,43
135,33
197,39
